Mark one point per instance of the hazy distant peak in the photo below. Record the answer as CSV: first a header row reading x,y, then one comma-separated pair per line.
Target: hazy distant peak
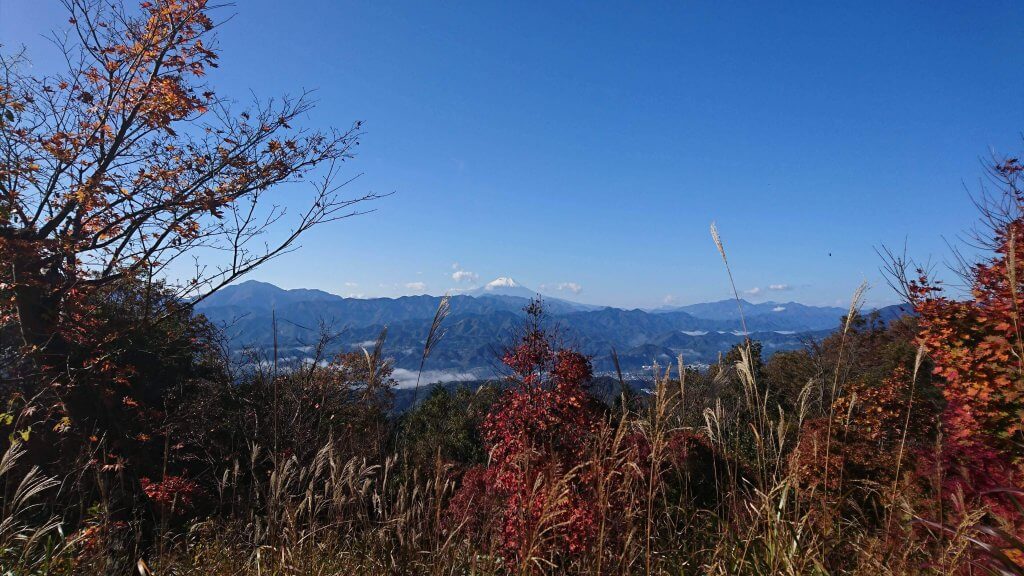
x,y
259,284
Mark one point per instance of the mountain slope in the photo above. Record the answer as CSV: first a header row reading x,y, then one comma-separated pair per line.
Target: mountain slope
x,y
765,315
481,323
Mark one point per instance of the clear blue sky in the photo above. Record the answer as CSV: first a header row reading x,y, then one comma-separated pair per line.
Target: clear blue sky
x,y
593,143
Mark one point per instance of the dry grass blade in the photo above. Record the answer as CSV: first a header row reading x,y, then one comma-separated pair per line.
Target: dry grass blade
x,y
918,360
23,543
436,333
855,303
721,250
623,391
373,359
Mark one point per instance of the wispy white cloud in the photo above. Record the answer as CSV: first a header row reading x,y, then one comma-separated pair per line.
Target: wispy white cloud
x,y
779,287
351,284
779,309
753,291
465,276
416,286
570,287
670,299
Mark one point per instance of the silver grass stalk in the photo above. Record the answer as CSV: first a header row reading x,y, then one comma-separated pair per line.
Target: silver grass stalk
x,y
721,250
437,332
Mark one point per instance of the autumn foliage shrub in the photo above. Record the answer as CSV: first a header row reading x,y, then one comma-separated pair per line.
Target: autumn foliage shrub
x,y
172,494
872,440
536,435
977,347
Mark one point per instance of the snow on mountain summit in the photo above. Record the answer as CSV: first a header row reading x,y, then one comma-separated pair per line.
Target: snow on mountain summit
x,y
503,286
499,283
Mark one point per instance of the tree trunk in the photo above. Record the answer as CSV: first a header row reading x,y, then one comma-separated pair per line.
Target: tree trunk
x,y
37,289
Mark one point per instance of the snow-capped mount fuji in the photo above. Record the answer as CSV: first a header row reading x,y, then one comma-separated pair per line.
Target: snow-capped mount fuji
x,y
503,286
507,287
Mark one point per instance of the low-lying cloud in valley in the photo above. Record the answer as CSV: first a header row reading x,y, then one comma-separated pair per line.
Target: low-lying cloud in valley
x,y
407,378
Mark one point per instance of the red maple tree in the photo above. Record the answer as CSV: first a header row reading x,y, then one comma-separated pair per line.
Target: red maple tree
x,y
127,162
536,436
977,347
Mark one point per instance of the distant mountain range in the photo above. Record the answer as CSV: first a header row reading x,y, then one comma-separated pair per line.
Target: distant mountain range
x,y
793,314
481,323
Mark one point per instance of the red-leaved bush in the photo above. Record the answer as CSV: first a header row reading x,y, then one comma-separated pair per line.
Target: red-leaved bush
x,y
978,350
870,440
173,494
536,435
